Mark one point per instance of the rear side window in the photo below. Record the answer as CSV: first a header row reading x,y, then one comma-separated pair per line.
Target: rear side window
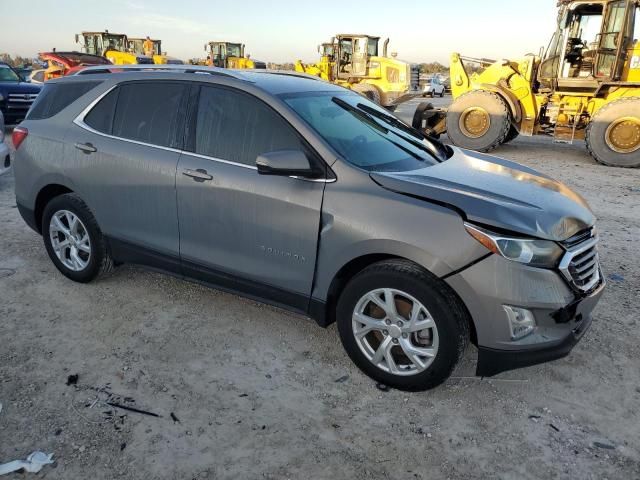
x,y
148,112
100,117
237,127
53,98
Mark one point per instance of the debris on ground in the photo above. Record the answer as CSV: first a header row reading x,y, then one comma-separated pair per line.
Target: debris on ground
x,y
535,418
382,387
616,277
342,379
123,445
132,409
554,427
606,446
72,379
33,463
174,418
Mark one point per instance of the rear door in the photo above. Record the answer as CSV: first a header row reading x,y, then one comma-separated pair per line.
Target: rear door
x,y
240,229
126,152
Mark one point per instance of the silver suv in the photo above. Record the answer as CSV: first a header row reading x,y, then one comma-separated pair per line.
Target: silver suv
x,y
307,196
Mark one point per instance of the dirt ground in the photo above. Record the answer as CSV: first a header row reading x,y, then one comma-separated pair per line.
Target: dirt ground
x,y
258,393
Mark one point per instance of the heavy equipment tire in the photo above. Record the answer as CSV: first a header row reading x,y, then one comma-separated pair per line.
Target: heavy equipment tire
x,y
442,94
423,352
512,135
366,90
478,120
85,254
613,135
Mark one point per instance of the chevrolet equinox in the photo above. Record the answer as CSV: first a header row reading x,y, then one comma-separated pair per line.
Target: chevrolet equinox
x,y
307,196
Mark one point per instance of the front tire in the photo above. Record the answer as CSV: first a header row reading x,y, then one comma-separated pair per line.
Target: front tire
x,y
613,135
73,239
402,326
369,91
478,120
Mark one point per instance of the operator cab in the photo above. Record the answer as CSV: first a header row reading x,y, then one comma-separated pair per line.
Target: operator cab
x,y
98,43
589,45
353,54
221,52
136,45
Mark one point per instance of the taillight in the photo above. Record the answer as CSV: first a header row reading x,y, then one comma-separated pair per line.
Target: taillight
x,y
18,136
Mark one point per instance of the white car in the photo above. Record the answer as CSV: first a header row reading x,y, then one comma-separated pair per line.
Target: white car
x,y
434,87
5,158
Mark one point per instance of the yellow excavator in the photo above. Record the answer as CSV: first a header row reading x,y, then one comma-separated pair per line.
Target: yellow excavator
x,y
113,46
353,61
230,55
136,45
585,86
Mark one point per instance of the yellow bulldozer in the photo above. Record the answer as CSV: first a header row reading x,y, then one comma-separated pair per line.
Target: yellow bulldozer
x,y
113,46
585,86
230,55
136,45
353,61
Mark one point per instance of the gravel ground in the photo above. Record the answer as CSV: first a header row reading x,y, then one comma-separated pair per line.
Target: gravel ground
x,y
249,391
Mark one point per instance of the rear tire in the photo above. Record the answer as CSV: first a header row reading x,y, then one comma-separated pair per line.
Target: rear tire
x,y
83,254
613,135
512,135
442,94
478,120
411,287
368,91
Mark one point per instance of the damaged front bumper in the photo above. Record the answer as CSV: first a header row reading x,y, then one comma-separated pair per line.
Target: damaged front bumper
x,y
562,315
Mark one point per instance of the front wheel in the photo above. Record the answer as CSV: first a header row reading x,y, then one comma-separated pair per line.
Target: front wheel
x,y
402,326
613,135
73,239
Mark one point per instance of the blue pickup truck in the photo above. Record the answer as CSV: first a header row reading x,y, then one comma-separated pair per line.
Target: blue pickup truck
x,y
16,95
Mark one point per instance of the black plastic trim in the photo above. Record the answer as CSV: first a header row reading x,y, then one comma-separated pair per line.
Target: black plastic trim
x,y
28,216
492,361
462,269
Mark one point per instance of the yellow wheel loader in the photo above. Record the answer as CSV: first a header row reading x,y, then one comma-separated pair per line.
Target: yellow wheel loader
x,y
136,45
353,61
230,55
585,86
113,46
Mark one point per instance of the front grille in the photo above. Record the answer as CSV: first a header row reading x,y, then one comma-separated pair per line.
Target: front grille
x,y
20,100
580,264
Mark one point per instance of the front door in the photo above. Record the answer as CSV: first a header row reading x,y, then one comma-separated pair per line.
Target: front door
x,y
360,56
249,232
613,40
125,164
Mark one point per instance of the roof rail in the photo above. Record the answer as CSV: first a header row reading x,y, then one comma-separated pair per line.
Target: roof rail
x,y
162,68
289,73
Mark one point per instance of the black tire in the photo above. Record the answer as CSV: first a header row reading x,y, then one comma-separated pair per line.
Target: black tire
x,y
499,120
512,135
368,91
442,94
597,131
448,313
100,261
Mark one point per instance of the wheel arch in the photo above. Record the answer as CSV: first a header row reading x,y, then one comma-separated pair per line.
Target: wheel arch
x,y
509,99
45,195
326,315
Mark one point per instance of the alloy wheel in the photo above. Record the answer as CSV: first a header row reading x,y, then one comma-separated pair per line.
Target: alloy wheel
x,y
70,240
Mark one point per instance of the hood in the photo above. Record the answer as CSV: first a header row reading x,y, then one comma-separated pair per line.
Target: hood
x,y
496,192
19,87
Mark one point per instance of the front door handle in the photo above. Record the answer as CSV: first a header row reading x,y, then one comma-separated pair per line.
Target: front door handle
x,y
86,147
198,175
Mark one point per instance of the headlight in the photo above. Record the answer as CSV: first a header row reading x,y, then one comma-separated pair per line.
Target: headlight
x,y
537,253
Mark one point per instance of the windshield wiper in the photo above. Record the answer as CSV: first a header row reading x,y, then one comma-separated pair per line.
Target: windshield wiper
x,y
432,148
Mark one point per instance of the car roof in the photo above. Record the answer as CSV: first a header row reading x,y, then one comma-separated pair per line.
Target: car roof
x,y
274,82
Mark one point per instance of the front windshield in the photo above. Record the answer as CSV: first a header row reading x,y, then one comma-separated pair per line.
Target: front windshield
x,y
114,42
8,75
233,50
364,134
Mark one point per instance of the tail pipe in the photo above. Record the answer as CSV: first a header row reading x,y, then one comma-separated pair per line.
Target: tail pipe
x,y
385,48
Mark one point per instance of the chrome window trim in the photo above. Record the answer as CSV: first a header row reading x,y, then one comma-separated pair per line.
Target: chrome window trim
x,y
79,121
570,254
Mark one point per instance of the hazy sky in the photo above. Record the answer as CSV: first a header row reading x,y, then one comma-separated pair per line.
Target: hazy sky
x,y
286,30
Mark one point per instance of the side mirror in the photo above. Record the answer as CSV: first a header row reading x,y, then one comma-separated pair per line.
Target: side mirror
x,y
285,163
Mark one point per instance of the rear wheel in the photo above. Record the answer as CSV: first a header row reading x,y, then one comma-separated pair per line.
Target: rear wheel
x,y
478,120
369,91
512,135
442,93
401,326
73,239
613,135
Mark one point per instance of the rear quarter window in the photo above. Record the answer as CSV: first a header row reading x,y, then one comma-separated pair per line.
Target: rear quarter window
x,y
53,98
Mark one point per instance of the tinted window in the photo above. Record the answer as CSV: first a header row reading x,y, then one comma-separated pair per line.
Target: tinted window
x,y
100,117
53,98
148,112
237,127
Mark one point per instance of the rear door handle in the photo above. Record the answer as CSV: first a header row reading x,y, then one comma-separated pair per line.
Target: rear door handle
x,y
86,147
198,175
